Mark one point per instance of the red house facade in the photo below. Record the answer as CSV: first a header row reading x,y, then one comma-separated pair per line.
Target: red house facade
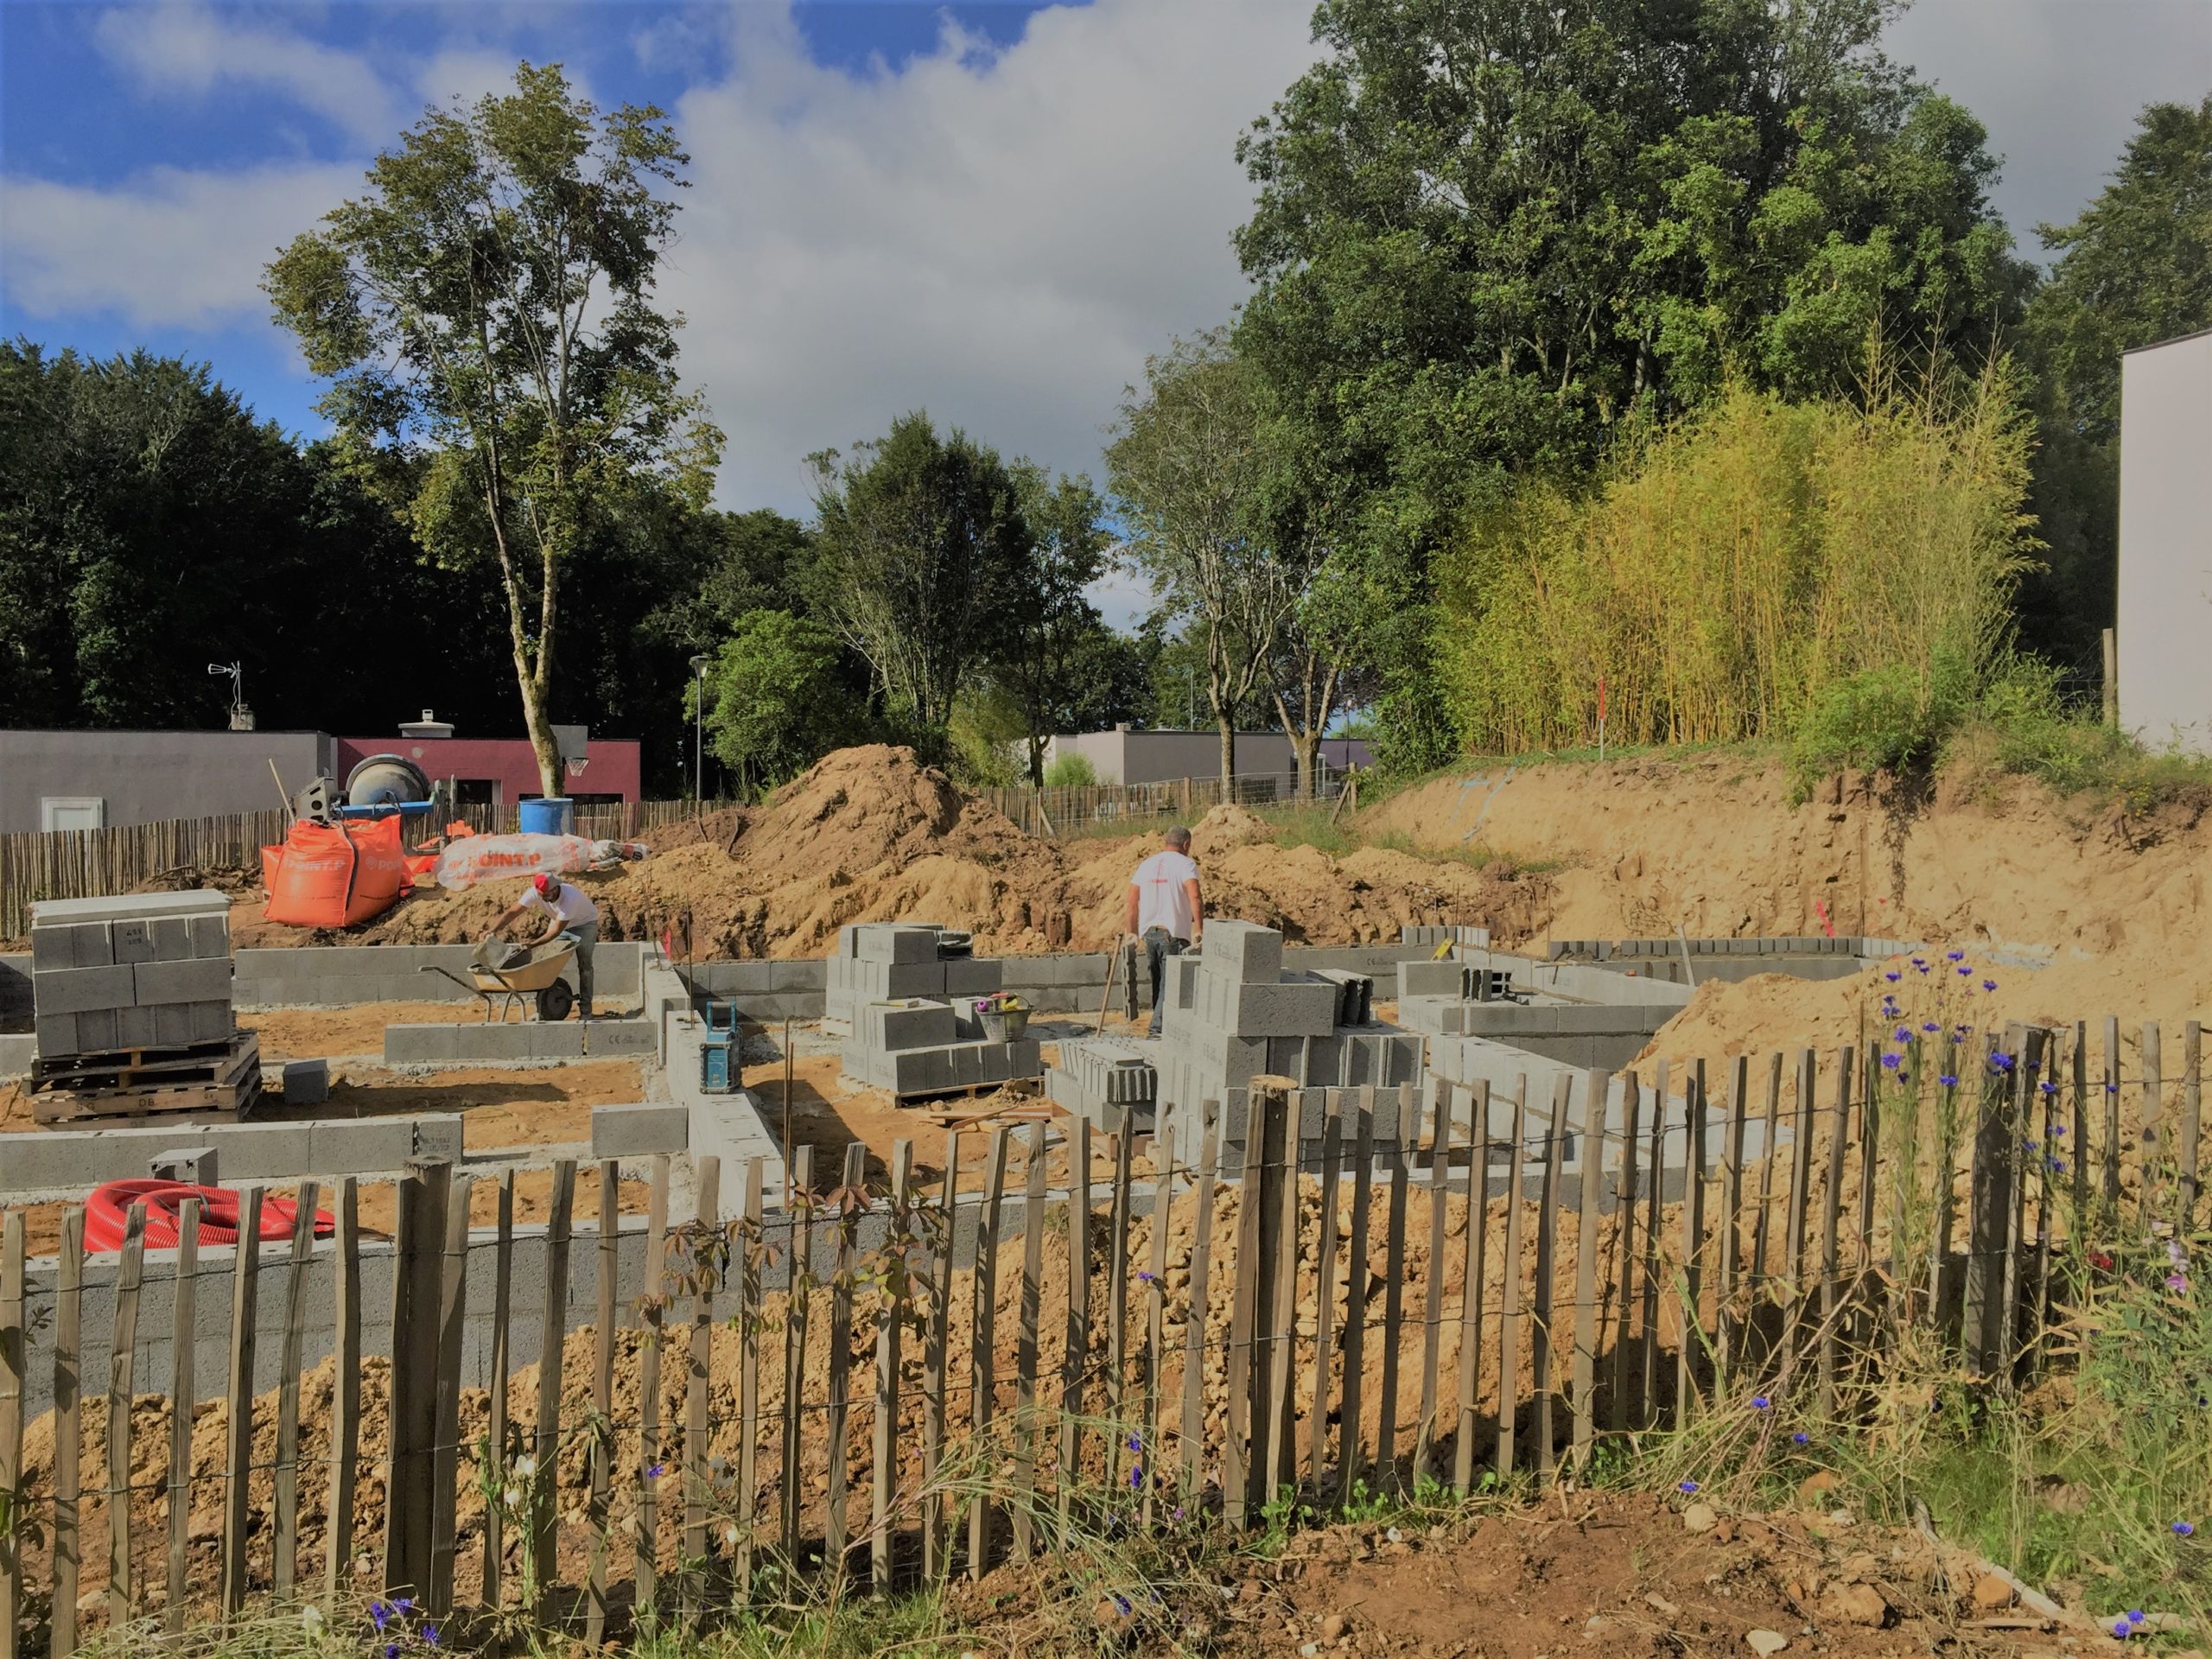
x,y
499,772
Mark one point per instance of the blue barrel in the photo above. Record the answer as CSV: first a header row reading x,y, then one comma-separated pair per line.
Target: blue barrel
x,y
549,815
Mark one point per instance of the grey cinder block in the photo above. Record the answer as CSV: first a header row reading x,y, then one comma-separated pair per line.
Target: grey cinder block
x,y
894,1026
1245,951
202,979
639,1131
891,942
84,945
973,976
82,990
307,1082
130,906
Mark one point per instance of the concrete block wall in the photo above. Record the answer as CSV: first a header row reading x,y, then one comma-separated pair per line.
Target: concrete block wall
x,y
1606,1036
76,1161
139,970
516,1040
346,975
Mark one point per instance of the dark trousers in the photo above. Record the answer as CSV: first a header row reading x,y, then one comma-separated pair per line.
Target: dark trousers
x,y
586,935
1158,945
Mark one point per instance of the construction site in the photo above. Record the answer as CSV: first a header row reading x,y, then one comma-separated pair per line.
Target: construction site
x,y
338,1183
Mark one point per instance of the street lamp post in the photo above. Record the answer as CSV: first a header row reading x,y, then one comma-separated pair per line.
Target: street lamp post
x,y
698,737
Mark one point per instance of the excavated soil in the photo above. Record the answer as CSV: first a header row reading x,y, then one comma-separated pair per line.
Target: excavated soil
x,y
871,834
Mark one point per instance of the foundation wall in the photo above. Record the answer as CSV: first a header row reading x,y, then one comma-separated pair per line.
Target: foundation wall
x,y
346,976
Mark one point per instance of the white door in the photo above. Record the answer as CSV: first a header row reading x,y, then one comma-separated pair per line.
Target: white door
x,y
73,812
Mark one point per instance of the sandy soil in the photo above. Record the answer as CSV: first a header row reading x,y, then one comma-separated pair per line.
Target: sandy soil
x,y
316,1034
870,835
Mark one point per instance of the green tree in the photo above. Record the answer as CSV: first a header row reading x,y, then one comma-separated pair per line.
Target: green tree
x,y
2134,269
1491,236
921,553
1046,660
777,700
1189,465
487,307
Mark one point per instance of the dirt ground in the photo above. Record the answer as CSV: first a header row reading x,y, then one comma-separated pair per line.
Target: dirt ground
x,y
317,1033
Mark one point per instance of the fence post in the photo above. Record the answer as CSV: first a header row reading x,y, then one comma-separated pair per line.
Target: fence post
x,y
416,1282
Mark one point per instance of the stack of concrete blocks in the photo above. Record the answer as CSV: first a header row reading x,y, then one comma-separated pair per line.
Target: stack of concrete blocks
x,y
144,971
1105,1078
1435,997
1449,933
1233,1014
912,1026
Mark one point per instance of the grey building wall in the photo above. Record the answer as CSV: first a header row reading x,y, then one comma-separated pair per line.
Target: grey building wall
x,y
1164,757
144,777
2165,543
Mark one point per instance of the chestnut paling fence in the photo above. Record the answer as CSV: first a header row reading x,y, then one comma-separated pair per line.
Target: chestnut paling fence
x,y
833,1387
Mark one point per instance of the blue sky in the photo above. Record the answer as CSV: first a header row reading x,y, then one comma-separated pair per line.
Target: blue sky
x,y
994,211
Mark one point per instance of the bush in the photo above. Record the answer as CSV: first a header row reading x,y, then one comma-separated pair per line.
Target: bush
x,y
1070,771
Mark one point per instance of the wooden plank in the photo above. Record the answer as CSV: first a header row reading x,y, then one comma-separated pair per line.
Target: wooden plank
x,y
1155,1318
983,1335
286,1509
1540,1326
1393,1283
496,1428
1356,1277
238,1427
707,1181
1243,1318
2027,1065
889,1312
748,1372
837,1419
1588,1204
1274,1465
412,1401
122,1354
346,1395
1508,1322
2078,1152
649,1385
1324,1299
1728,1265
69,1429
1076,1360
15,1357
1431,1348
2192,1112
184,1394
1117,1300
1761,1254
1654,1199
1690,1338
445,1444
1865,1325
1625,1371
1831,1212
600,1450
2151,1115
1470,1296
1025,1425
936,1554
800,1196
553,1329
1800,1203
2111,1114
1192,1431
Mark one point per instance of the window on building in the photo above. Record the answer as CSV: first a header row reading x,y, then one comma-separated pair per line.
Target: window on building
x,y
73,812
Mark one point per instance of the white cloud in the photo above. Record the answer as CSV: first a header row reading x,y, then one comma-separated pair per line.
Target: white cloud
x,y
999,237
187,49
168,248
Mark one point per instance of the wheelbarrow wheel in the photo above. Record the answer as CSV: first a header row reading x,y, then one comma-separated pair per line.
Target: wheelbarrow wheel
x,y
555,1001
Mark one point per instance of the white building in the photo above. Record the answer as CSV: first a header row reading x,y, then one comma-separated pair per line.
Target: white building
x,y
1124,756
2165,543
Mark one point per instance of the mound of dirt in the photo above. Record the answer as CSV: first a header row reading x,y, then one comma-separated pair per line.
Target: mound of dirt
x,y
871,834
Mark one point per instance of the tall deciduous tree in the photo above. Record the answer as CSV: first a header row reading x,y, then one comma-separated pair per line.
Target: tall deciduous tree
x,y
1047,662
1189,467
488,306
921,552
2134,269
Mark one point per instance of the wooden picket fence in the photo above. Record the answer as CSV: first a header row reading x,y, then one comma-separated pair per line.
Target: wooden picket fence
x,y
1158,1375
1060,809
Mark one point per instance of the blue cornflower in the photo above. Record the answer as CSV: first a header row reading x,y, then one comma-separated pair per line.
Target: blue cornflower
x,y
2122,1629
1948,1080
2112,1088
1145,1276
1931,1027
431,1635
2135,1615
2056,1128
391,1650
1893,976
379,1614
1918,963
1125,1604
1921,966
1954,956
656,1472
1687,1486
2000,1061
1136,1478
1802,1437
2049,1088
1760,1402
403,1604
1904,1033
2057,1165
2183,1529
1966,973
1135,1444
1890,1062
1988,984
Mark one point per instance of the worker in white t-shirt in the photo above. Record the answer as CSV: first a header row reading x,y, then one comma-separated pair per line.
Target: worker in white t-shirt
x,y
566,909
1165,910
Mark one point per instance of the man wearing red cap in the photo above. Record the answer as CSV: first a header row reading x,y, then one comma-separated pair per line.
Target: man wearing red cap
x,y
567,910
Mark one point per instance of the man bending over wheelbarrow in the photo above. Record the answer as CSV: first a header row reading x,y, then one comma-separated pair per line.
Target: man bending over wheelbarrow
x,y
567,910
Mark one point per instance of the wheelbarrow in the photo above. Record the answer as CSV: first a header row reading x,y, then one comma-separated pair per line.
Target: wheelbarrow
x,y
505,974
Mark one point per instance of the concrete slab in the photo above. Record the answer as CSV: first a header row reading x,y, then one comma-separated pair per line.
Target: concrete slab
x,y
639,1131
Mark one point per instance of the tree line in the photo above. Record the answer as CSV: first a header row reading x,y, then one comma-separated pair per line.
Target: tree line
x,y
1497,250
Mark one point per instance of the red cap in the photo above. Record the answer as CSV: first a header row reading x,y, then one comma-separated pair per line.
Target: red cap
x,y
543,883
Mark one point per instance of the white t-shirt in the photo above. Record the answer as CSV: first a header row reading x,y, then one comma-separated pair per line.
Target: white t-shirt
x,y
1162,899
573,906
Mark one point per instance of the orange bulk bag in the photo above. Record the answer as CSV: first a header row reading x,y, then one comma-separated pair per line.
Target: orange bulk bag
x,y
336,875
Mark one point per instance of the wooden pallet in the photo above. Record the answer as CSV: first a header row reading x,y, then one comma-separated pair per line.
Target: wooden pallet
x,y
229,1086
117,1068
